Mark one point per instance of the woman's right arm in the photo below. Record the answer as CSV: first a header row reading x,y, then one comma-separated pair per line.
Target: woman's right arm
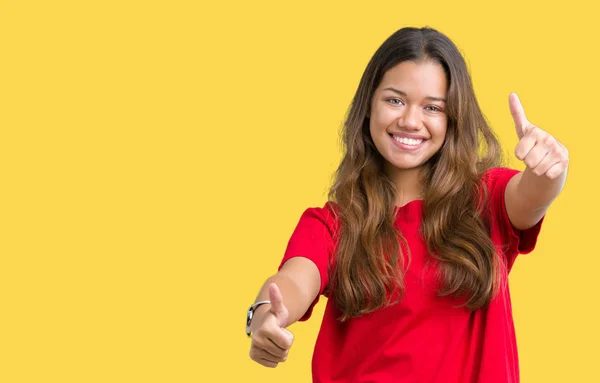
x,y
291,292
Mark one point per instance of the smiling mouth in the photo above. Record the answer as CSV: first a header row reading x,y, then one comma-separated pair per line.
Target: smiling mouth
x,y
407,141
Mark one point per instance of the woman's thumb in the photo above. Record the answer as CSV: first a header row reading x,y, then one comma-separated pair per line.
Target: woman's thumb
x,y
277,306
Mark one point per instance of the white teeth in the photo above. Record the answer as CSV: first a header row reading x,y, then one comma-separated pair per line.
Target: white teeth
x,y
407,141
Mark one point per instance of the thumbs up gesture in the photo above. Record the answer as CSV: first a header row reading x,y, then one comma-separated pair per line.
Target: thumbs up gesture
x,y
271,342
543,154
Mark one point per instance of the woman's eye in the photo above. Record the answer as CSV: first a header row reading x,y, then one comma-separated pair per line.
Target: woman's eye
x,y
433,108
395,101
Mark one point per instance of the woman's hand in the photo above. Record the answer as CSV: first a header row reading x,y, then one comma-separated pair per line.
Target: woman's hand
x,y
542,153
271,342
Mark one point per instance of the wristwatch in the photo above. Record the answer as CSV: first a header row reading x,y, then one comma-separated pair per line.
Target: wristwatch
x,y
250,315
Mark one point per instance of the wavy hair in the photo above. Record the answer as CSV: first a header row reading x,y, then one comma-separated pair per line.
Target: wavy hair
x,y
369,263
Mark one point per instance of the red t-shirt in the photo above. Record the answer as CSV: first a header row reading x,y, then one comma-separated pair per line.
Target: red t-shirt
x,y
423,338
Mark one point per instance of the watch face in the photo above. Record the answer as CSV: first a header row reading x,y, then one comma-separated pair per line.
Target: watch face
x,y
249,320
249,316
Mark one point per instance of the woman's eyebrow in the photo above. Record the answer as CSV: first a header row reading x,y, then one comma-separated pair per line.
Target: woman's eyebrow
x,y
405,95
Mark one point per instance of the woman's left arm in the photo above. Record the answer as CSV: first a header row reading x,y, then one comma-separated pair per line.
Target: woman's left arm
x,y
529,193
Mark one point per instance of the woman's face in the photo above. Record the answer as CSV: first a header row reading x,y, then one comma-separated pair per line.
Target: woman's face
x,y
407,117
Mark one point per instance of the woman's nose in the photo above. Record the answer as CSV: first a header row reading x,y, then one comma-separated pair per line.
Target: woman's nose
x,y
410,119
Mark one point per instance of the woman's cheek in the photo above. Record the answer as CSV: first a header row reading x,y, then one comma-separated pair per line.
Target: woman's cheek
x,y
388,116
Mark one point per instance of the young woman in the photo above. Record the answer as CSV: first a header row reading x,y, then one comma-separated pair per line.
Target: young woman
x,y
414,247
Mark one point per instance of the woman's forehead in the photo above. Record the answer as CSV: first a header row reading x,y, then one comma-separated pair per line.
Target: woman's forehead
x,y
425,78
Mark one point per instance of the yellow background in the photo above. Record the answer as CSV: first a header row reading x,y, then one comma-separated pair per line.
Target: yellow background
x,y
155,157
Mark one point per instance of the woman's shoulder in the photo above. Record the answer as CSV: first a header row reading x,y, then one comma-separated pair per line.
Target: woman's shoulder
x,y
328,208
499,170
499,174
327,215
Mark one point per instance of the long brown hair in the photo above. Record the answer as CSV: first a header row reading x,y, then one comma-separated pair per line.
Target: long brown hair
x,y
369,262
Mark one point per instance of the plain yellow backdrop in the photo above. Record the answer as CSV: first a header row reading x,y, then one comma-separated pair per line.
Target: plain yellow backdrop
x,y
155,157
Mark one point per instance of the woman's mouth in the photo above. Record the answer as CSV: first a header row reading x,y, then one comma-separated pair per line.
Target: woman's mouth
x,y
407,143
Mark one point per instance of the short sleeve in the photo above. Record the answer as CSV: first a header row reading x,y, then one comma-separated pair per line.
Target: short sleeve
x,y
313,238
513,241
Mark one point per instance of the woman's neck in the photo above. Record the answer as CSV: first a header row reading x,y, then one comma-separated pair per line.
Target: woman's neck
x,y
408,184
